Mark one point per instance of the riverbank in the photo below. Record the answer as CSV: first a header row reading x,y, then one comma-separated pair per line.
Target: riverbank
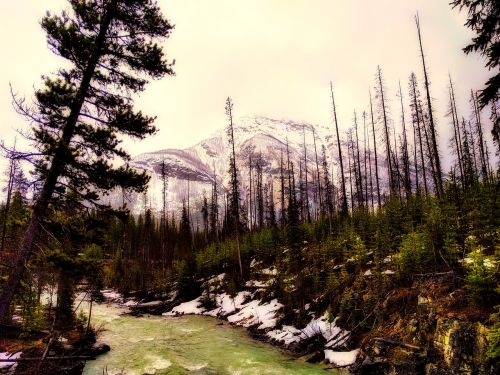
x,y
321,340
425,327
189,344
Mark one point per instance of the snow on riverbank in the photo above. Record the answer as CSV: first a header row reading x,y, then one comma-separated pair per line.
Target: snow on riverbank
x,y
9,366
341,359
246,312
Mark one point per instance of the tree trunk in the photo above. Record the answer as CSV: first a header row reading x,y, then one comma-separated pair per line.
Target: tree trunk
x,y
56,168
375,152
344,208
435,151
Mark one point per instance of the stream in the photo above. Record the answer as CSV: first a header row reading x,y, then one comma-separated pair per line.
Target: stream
x,y
189,344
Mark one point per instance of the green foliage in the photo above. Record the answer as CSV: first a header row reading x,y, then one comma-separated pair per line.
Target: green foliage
x,y
481,280
32,312
415,254
483,18
493,351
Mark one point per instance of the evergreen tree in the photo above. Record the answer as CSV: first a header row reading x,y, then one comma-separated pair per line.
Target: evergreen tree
x,y
483,17
78,115
234,192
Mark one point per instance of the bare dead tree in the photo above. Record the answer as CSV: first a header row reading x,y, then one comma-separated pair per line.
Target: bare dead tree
x,y
344,208
432,127
375,152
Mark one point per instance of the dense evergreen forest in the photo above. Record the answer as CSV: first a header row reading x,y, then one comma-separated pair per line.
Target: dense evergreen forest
x,y
383,218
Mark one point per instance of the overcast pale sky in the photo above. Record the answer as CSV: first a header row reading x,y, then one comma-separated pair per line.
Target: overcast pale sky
x,y
273,57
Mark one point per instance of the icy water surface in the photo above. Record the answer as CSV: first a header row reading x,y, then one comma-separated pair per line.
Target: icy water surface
x,y
185,345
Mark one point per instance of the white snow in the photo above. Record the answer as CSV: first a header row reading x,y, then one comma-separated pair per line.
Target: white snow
x,y
227,305
17,318
368,273
254,313
286,335
269,271
191,307
110,294
9,365
387,259
254,263
257,284
148,304
333,335
341,359
214,282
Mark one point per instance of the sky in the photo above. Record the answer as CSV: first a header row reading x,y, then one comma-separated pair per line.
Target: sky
x,y
274,58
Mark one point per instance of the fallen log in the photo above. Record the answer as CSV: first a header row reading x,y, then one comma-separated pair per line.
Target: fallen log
x,y
433,274
397,343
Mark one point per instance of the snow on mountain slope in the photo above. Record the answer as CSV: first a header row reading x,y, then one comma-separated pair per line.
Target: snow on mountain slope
x,y
193,169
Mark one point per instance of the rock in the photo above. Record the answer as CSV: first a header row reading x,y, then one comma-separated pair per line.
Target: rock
x,y
371,366
314,357
462,344
99,348
423,300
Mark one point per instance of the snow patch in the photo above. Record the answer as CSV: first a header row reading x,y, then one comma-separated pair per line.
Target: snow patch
x,y
333,335
341,359
257,284
227,305
254,313
191,307
286,335
11,366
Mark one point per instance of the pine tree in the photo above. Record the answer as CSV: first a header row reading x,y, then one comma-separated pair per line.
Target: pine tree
x,y
417,119
234,193
483,152
214,210
405,155
306,188
483,17
357,170
328,188
164,221
78,115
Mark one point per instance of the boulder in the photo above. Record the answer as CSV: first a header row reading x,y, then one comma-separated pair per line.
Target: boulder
x,y
99,348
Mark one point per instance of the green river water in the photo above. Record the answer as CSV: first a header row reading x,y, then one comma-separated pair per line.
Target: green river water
x,y
185,345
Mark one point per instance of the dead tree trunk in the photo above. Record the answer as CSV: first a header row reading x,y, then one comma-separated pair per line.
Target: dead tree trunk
x,y
435,151
379,202
344,208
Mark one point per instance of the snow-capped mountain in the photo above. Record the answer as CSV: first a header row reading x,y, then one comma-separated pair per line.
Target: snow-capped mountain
x,y
192,170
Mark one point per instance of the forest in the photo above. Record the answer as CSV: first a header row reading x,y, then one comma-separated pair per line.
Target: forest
x,y
365,234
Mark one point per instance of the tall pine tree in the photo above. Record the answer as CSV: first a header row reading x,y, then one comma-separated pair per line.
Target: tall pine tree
x,y
80,114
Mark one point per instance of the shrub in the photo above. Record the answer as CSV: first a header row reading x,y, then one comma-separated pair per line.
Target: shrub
x,y
481,278
415,254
